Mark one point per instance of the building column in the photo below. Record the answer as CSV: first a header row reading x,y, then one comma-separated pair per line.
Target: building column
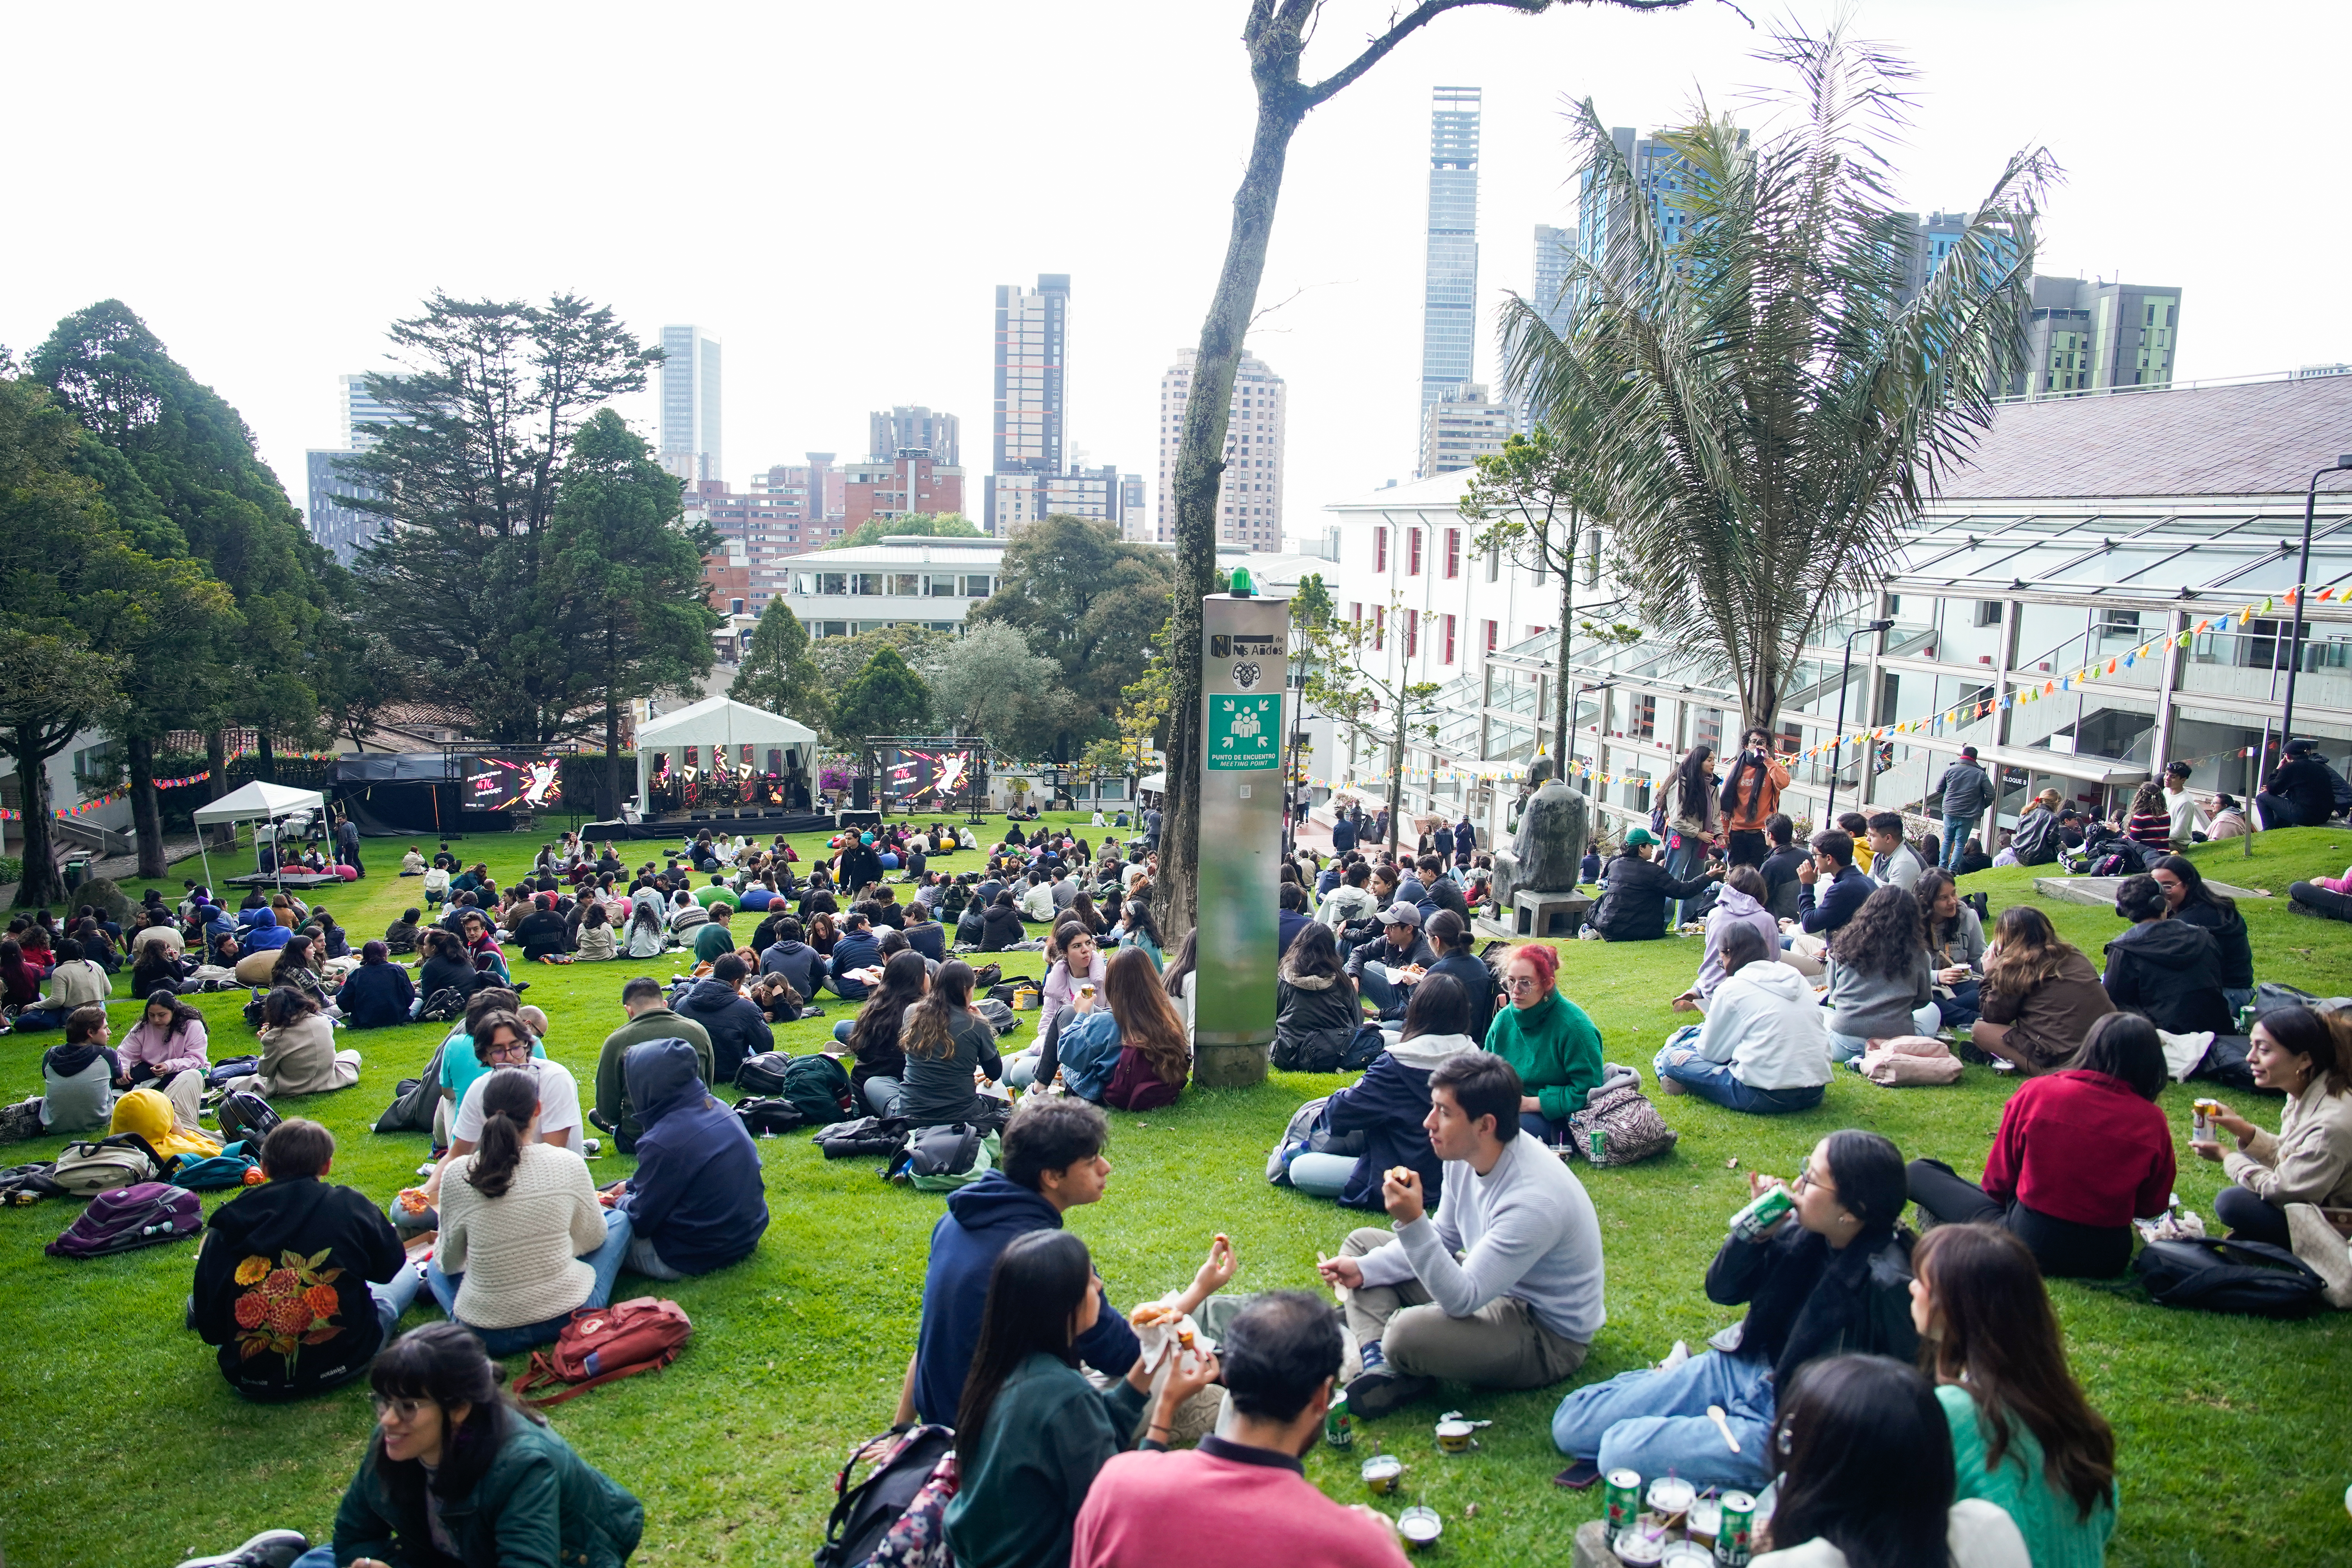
x,y
1866,783
2167,681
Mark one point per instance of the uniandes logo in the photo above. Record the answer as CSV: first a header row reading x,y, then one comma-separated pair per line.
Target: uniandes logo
x,y
1246,675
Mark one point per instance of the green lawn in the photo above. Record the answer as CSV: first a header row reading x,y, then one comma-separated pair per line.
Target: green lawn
x,y
2231,1428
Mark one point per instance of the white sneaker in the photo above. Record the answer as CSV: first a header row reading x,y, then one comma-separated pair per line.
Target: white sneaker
x,y
1675,1357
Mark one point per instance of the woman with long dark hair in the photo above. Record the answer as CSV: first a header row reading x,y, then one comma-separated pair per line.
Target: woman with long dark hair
x,y
1138,928
20,986
1384,1110
945,1044
1880,983
648,932
1830,1275
2041,996
168,1040
1692,819
458,1471
2196,904
1032,1433
1955,940
1751,794
872,1035
2080,1154
2306,1056
1177,978
1866,1476
1126,1048
2023,1438
1316,1011
524,1242
298,1049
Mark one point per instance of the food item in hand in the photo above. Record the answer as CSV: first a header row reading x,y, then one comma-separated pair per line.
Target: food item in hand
x,y
1152,1315
1399,1173
412,1199
1184,1338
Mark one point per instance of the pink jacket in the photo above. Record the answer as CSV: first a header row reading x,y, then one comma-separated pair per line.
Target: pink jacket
x,y
177,1052
1059,991
2335,884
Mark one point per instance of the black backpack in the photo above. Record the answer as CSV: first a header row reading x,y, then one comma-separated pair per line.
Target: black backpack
x,y
414,1103
768,1113
863,1513
2250,1276
446,1005
867,1135
763,1073
245,1117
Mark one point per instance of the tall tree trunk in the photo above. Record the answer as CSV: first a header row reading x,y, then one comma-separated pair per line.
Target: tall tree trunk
x,y
41,883
216,764
1396,784
267,768
146,807
1564,703
609,805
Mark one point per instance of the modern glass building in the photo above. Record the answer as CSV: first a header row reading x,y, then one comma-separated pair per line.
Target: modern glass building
x,y
1449,314
689,403
2102,589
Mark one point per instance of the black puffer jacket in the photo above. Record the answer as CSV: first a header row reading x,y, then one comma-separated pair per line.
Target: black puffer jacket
x,y
1634,908
2169,972
1000,927
735,1025
1806,1300
1315,1017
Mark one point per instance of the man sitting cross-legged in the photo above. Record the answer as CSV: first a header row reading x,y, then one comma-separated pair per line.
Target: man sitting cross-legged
x,y
1503,1290
1241,1500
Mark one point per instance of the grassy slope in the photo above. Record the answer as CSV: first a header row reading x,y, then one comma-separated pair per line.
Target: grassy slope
x,y
799,1353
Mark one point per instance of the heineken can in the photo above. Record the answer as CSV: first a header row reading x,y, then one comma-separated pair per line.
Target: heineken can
x,y
1600,1144
1761,1213
1624,1502
1339,1427
1734,1537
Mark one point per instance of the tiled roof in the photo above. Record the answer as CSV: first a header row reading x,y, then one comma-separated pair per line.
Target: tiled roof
x,y
2259,439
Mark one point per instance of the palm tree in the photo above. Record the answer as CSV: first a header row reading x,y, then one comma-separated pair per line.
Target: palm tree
x,y
1779,402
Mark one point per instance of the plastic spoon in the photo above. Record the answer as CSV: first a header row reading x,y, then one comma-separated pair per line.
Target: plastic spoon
x,y
1715,1414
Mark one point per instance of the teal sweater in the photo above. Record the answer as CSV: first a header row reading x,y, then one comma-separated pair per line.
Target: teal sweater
x,y
2056,1534
1023,1482
538,1505
1555,1050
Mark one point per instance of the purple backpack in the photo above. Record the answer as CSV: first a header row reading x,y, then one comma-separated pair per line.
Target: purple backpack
x,y
142,1215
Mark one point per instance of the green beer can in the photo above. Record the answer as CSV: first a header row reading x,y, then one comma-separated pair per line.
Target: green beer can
x,y
1733,1538
1339,1427
1600,1144
1624,1502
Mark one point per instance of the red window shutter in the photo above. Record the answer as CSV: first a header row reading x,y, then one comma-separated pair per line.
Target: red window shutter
x,y
1449,639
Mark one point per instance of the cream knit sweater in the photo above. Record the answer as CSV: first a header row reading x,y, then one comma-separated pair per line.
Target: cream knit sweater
x,y
520,1252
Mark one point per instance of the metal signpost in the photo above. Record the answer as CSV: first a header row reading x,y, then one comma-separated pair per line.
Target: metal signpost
x,y
1246,658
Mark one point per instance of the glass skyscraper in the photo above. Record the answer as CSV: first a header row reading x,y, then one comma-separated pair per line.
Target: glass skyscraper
x,y
689,403
1449,298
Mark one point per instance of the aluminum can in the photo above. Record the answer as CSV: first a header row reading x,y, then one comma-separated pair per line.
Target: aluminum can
x,y
1735,1537
1624,1502
1339,1427
1761,1213
1600,1144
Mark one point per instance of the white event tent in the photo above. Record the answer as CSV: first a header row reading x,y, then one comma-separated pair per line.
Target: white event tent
x,y
259,800
721,724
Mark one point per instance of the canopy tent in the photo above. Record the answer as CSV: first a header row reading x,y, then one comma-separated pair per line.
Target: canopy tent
x,y
719,725
259,800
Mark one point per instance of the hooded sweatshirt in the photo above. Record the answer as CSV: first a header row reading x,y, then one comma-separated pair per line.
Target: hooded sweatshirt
x,y
1554,1049
1732,907
2170,971
1387,1105
148,1114
796,962
265,934
1765,1023
78,1086
982,1221
697,1194
236,1301
735,1027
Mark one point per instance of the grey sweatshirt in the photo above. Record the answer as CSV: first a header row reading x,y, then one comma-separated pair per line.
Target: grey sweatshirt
x,y
1879,1006
1525,1228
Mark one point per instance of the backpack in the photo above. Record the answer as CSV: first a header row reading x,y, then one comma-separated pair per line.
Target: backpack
x,y
229,1168
245,1117
2213,1276
144,1214
1307,1134
998,1014
903,1461
763,1073
446,1005
1630,1126
85,1169
764,1114
987,977
218,1075
820,1086
941,1159
415,1100
604,1344
867,1135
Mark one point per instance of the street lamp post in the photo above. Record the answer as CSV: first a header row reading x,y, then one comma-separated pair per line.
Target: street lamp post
x,y
1837,735
2302,592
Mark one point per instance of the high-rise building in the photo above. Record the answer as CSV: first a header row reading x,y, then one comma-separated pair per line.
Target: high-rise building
x,y
898,486
1661,175
810,500
1460,428
1032,422
1134,510
1016,501
689,403
1932,238
1449,313
895,430
339,529
1548,294
1249,499
2082,337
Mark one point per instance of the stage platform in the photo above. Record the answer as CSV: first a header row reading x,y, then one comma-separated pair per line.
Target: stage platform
x,y
684,825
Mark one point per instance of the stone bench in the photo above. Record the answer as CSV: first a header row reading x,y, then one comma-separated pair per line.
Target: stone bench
x,y
1533,911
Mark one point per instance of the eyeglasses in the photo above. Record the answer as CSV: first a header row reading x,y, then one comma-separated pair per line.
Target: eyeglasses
x,y
407,1410
518,1048
1521,982
1805,1178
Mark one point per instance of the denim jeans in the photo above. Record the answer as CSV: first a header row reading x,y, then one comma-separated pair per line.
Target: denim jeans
x,y
605,1260
1322,1175
643,1259
1656,1421
392,1297
841,1031
317,1557
1685,859
1382,993
1715,1082
1958,831
883,1095
1021,1068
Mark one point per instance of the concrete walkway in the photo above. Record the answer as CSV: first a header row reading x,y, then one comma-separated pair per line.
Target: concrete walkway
x,y
125,870
2101,890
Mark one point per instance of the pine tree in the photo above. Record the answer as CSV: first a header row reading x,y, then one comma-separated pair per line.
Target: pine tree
x,y
886,698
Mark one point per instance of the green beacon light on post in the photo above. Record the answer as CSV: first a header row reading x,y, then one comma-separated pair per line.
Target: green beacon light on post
x,y
1242,586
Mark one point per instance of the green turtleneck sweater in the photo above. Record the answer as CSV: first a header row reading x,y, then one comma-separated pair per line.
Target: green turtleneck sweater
x,y
1555,1050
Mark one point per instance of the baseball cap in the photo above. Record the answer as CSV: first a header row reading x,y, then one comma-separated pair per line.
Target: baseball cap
x,y
1968,752
1401,914
1637,836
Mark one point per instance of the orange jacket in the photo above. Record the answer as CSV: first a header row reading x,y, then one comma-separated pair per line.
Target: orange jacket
x,y
1760,801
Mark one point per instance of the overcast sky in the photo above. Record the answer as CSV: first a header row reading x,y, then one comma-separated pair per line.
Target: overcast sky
x,y
834,190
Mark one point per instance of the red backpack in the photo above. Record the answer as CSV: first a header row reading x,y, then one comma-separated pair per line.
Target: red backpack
x,y
601,1344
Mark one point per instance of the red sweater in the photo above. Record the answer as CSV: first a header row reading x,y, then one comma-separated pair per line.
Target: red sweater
x,y
2082,1147
1221,1504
